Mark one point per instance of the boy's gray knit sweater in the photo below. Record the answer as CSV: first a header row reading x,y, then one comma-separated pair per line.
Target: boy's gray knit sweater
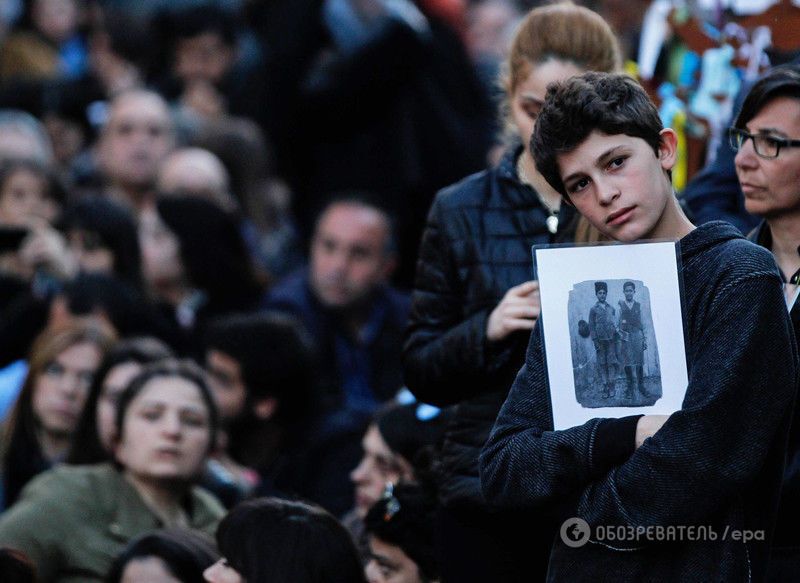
x,y
717,462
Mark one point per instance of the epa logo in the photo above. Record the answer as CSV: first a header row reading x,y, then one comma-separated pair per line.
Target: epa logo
x,y
575,532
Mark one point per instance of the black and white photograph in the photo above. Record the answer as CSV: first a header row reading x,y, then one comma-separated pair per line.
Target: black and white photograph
x,y
613,329
614,351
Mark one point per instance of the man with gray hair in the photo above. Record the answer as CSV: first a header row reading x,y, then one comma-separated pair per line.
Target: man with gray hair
x,y
22,136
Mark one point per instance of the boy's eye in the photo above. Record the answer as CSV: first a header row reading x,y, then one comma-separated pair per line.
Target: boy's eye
x,y
578,185
616,162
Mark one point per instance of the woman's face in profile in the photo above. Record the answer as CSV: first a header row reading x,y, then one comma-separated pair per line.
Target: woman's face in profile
x,y
166,431
529,94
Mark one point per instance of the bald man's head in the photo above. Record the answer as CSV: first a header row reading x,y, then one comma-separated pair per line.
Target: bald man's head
x,y
196,172
137,136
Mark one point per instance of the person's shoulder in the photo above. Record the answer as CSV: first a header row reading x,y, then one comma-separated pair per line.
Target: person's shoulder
x,y
467,192
289,291
66,486
207,510
717,250
740,257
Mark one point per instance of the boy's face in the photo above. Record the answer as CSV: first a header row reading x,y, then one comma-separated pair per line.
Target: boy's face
x,y
601,295
771,187
628,291
620,185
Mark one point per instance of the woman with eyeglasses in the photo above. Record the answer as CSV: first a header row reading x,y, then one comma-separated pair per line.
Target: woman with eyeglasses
x,y
767,139
39,432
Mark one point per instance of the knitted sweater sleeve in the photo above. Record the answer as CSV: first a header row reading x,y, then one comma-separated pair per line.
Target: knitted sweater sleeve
x,y
743,377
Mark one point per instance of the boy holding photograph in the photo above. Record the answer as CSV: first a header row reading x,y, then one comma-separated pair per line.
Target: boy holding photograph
x,y
717,463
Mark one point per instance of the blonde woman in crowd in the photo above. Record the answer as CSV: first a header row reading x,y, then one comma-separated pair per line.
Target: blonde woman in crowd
x,y
474,303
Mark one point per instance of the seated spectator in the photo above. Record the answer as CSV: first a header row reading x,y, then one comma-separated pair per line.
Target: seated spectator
x,y
399,446
135,138
206,76
264,198
261,371
28,193
76,519
23,136
93,441
355,318
195,262
196,172
401,533
268,539
38,435
166,556
46,44
102,237
30,201
345,302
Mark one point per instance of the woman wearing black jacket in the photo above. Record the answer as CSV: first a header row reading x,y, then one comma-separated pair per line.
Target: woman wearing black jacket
x,y
474,303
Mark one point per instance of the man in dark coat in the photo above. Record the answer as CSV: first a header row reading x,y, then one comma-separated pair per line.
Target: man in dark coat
x,y
356,320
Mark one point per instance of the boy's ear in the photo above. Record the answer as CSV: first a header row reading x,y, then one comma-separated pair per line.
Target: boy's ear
x,y
668,148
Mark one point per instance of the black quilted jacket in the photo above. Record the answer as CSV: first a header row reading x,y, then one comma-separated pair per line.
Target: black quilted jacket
x,y
476,245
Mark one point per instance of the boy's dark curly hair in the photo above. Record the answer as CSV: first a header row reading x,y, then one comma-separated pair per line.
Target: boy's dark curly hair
x,y
609,103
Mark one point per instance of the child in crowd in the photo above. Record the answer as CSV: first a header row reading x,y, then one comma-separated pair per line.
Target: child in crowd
x,y
718,461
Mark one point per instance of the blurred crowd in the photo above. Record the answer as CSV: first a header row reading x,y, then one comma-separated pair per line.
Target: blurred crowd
x,y
217,220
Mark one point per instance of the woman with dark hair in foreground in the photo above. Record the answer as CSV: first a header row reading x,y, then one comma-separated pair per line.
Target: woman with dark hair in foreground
x,y
280,541
73,521
166,556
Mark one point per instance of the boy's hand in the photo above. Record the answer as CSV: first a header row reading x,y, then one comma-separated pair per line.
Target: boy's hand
x,y
647,426
518,310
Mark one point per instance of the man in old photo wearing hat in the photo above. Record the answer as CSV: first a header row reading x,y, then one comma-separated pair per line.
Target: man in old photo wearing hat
x,y
632,341
603,331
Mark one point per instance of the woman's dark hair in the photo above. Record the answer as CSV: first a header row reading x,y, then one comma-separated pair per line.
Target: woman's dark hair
x,y
110,225
125,306
404,517
415,431
24,458
783,81
276,359
213,252
281,541
86,447
185,369
609,103
186,554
